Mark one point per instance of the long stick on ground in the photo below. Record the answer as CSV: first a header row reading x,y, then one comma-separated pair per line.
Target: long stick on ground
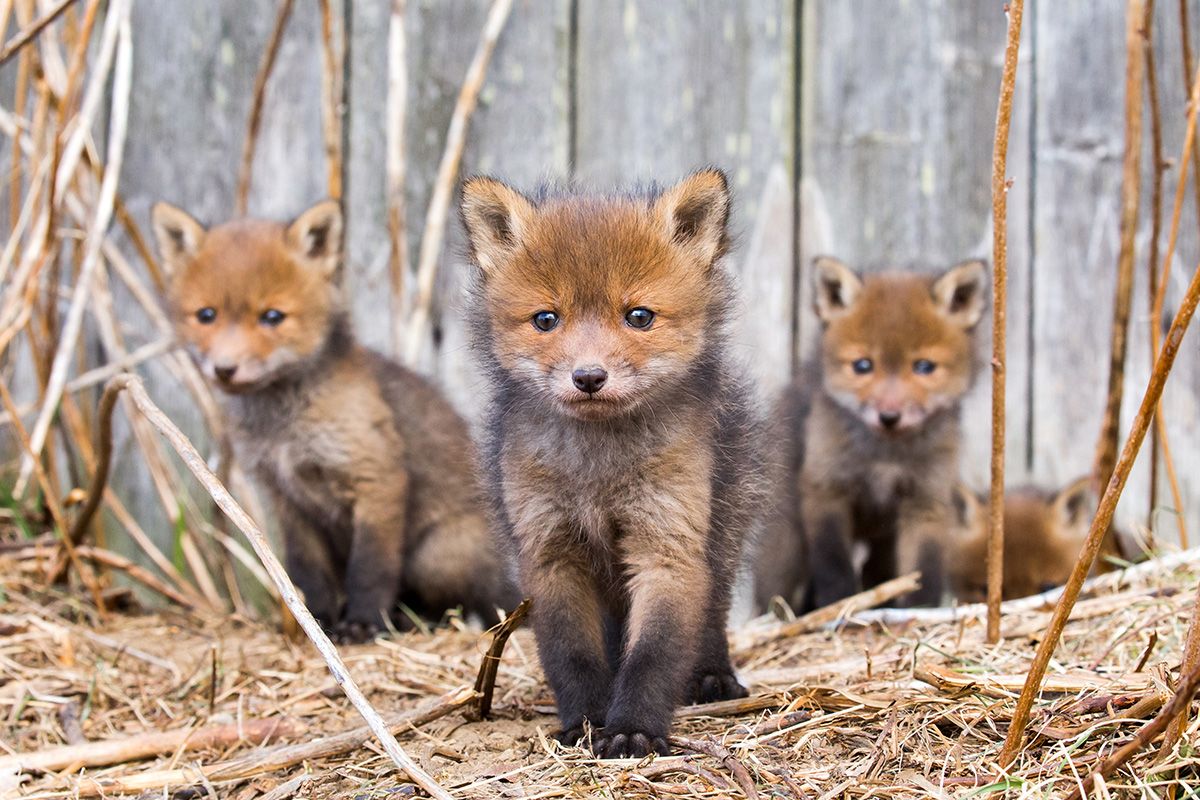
x,y
1110,430
397,205
287,590
1102,520
1176,707
134,748
256,105
95,238
1000,315
434,233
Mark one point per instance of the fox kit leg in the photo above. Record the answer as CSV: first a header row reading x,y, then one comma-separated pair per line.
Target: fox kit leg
x,y
457,564
309,563
713,677
568,626
828,524
920,545
669,587
375,564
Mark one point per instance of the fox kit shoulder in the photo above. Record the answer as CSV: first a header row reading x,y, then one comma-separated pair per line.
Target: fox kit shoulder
x,y
623,459
1044,532
338,435
881,427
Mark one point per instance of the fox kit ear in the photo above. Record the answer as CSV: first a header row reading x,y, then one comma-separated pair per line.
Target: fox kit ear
x,y
835,287
315,237
958,292
178,235
497,217
1074,506
695,212
968,509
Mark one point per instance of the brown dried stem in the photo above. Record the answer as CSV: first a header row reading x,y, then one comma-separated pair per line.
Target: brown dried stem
x,y
287,590
397,204
1110,429
485,682
1000,314
1185,52
1102,520
332,96
434,233
30,31
1175,708
1156,194
256,105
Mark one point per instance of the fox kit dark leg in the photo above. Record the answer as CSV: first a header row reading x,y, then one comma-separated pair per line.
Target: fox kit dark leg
x,y
920,544
567,622
713,677
828,523
375,565
309,563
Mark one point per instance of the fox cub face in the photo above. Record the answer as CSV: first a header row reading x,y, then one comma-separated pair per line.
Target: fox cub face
x,y
599,304
898,346
1043,534
252,300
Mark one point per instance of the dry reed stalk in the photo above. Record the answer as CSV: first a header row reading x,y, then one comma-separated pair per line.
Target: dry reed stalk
x,y
1185,52
1135,55
434,234
118,120
485,682
1175,708
135,748
332,97
256,106
20,97
1008,81
1190,663
1103,518
67,101
1158,157
287,590
107,558
397,203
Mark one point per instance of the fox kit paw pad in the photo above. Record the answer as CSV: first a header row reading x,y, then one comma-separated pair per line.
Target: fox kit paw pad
x,y
629,744
577,735
709,687
347,632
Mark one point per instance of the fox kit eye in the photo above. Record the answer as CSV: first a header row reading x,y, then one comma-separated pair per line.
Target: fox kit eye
x,y
545,320
206,315
639,317
923,366
862,366
272,317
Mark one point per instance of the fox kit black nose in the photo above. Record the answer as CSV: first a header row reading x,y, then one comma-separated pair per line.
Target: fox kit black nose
x,y
225,374
589,379
889,419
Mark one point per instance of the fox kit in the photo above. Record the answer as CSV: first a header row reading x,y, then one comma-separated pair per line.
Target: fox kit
x,y
623,457
1043,534
369,468
881,427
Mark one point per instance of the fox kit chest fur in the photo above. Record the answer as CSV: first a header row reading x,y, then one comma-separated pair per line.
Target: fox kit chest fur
x,y
1044,532
879,431
623,458
368,467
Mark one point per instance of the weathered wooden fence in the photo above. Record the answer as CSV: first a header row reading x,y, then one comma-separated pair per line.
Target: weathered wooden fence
x,y
860,128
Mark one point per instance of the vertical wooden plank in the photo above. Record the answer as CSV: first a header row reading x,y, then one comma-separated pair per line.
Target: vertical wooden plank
x,y
897,123
519,132
666,87
194,68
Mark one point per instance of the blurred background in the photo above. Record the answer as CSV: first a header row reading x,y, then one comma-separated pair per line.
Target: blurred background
x,y
857,128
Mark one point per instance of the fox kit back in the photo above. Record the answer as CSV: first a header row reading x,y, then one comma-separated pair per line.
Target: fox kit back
x,y
368,467
881,431
623,458
1044,532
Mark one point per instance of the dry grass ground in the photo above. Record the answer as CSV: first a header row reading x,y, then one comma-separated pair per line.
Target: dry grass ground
x,y
918,709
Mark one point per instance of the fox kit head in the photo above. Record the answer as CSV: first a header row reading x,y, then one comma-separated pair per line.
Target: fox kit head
x,y
1043,534
898,347
252,300
598,304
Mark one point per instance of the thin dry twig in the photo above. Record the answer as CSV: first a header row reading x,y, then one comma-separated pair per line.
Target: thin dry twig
x,y
287,590
1008,81
332,97
485,683
256,106
1102,520
1156,195
397,204
710,748
30,32
434,233
1131,192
